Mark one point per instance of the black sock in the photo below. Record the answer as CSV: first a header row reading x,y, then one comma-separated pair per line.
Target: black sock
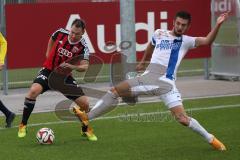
x,y
84,128
27,110
4,109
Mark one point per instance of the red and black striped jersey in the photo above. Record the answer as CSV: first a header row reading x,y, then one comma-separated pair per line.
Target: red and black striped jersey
x,y
65,51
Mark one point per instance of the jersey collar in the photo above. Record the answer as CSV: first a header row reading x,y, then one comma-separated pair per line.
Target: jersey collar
x,y
74,42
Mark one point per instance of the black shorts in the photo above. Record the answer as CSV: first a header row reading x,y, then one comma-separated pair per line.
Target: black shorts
x,y
65,84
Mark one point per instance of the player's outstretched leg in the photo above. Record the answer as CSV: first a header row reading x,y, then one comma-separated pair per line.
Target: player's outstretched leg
x,y
110,100
87,130
107,103
180,115
218,145
213,141
101,107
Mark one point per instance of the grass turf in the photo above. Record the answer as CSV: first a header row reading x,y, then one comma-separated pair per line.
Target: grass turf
x,y
132,138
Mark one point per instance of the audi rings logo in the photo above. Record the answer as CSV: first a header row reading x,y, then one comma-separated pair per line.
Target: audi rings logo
x,y
62,51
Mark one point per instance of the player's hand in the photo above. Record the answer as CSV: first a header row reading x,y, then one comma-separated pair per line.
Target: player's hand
x,y
67,65
1,66
140,67
223,17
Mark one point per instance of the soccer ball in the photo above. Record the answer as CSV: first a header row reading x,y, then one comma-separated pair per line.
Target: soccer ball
x,y
45,136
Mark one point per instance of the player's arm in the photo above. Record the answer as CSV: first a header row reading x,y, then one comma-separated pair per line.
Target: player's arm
x,y
148,53
82,67
49,47
200,41
3,50
52,40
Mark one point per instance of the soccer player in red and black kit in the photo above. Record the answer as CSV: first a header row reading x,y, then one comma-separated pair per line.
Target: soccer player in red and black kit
x,y
63,48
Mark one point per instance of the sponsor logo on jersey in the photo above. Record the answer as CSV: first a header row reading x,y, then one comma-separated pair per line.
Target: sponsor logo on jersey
x,y
167,44
64,52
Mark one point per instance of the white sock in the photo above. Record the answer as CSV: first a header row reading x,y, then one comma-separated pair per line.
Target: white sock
x,y
107,103
195,126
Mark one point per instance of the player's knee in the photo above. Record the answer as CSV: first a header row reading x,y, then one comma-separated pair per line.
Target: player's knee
x,y
85,104
33,92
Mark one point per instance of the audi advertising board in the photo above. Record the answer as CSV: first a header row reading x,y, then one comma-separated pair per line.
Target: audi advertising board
x,y
29,26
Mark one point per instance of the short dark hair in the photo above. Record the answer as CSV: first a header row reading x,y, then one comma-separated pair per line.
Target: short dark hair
x,y
79,23
184,15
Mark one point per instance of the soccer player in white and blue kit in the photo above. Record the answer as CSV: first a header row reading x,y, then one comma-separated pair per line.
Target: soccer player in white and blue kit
x,y
166,49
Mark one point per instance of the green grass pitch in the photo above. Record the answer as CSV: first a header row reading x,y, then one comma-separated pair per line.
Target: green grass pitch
x,y
154,136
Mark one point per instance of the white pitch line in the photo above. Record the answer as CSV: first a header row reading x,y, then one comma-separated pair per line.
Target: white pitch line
x,y
190,70
132,115
150,100
163,112
39,124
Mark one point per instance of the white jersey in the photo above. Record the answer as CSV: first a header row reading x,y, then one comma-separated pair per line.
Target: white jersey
x,y
170,50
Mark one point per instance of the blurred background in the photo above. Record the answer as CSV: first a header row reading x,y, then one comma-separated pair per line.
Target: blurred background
x,y
28,24
117,32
